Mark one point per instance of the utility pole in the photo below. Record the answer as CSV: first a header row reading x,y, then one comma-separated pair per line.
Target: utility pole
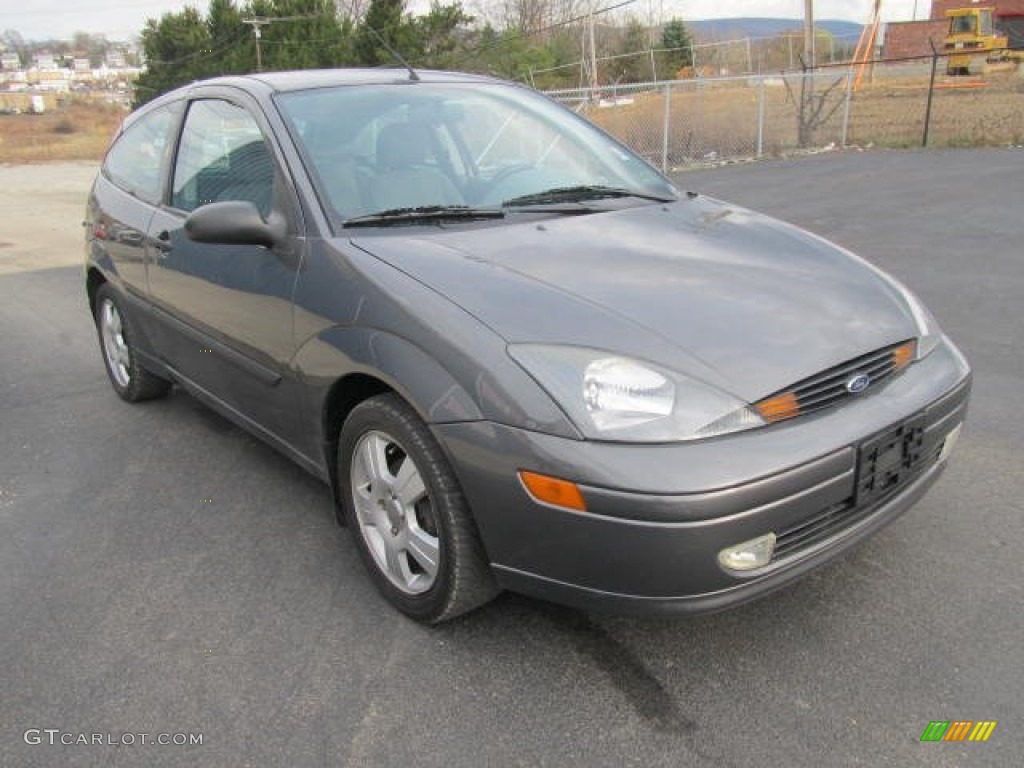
x,y
593,52
258,22
809,52
805,118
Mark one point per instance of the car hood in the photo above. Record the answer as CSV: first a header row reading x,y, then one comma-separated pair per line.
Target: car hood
x,y
734,298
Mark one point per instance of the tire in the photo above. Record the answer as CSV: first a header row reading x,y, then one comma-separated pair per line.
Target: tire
x,y
407,514
130,380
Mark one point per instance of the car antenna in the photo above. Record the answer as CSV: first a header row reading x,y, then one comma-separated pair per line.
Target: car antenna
x,y
396,54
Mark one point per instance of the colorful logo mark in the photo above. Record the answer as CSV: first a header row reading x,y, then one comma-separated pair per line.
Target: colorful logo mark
x,y
958,730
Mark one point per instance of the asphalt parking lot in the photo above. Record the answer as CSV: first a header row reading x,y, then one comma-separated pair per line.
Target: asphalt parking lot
x,y
165,573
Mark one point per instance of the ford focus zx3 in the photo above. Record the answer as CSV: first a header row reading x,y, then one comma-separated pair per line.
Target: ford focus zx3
x,y
520,357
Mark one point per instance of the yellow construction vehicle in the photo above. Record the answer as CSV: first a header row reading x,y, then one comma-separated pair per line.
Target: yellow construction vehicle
x,y
972,33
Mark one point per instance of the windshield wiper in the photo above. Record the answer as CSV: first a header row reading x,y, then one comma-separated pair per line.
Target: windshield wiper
x,y
426,213
582,193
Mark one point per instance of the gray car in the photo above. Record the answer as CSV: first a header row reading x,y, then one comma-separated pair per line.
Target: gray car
x,y
519,356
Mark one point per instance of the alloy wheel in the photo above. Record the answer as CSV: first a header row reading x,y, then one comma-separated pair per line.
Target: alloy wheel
x,y
395,513
115,348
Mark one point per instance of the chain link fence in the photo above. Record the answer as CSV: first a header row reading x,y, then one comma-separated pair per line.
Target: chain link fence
x,y
683,123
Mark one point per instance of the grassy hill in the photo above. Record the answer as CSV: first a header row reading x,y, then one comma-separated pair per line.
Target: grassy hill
x,y
731,29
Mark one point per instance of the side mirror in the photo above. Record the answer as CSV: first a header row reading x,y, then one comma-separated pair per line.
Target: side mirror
x,y
234,222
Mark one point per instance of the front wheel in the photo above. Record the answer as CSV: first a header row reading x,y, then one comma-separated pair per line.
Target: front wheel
x,y
408,516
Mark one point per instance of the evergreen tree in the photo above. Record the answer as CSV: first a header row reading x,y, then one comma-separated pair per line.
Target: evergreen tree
x,y
309,36
676,36
384,20
177,49
299,34
434,34
229,38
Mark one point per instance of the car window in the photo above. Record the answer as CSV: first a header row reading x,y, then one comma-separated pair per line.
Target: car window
x,y
504,136
222,156
136,159
374,149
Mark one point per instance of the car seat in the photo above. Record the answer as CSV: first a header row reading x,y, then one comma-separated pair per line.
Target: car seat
x,y
405,179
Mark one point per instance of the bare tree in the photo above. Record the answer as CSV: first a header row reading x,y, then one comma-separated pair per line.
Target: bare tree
x,y
534,16
352,9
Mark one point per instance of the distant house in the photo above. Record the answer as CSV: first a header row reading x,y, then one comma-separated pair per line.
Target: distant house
x,y
44,61
115,59
81,65
10,60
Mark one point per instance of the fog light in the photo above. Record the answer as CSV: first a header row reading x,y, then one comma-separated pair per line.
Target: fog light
x,y
749,555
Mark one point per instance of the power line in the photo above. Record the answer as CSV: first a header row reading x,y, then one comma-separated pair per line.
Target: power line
x,y
302,42
201,54
258,22
551,27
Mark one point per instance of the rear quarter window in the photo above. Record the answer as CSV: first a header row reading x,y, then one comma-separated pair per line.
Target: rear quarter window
x,y
138,157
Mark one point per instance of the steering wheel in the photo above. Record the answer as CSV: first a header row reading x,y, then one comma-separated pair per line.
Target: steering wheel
x,y
504,174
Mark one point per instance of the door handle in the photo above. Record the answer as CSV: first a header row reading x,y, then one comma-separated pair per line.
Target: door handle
x,y
162,243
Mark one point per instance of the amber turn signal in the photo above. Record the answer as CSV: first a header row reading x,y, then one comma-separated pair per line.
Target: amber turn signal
x,y
554,491
904,355
784,406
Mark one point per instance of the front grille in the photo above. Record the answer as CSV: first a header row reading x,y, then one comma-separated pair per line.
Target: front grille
x,y
831,387
886,464
813,529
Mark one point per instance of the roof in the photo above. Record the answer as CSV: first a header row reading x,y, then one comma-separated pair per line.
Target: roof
x,y
265,83
324,78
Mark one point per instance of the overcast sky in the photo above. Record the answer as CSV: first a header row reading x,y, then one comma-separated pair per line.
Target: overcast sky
x,y
123,19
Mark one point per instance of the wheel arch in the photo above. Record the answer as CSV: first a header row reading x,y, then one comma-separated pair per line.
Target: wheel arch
x,y
344,395
376,362
93,280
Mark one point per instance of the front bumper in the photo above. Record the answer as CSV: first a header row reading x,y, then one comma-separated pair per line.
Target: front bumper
x,y
658,515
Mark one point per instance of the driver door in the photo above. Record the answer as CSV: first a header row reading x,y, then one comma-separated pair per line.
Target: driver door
x,y
226,310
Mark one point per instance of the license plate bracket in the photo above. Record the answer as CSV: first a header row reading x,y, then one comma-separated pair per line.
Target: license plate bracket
x,y
887,461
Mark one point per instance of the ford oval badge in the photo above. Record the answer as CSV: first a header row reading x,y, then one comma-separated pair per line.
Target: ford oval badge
x,y
857,383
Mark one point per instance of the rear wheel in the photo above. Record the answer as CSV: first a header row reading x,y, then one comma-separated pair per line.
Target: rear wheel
x,y
408,516
130,380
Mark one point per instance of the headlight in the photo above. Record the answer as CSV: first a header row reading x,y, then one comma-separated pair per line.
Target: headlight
x,y
928,332
620,393
610,397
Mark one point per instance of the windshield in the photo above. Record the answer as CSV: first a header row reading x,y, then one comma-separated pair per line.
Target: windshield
x,y
378,148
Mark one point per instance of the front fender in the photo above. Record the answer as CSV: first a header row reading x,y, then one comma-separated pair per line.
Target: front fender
x,y
345,351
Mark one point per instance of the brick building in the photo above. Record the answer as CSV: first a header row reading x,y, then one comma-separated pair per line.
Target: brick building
x,y
1003,7
904,39
910,38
